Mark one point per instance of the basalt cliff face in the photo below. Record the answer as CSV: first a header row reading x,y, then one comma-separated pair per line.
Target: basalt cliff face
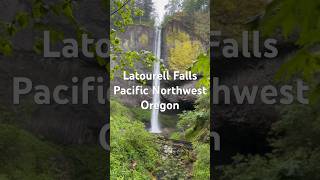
x,y
244,128
176,47
135,38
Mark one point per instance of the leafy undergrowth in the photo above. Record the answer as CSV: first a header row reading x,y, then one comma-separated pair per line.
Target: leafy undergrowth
x,y
88,162
24,156
193,126
201,168
134,153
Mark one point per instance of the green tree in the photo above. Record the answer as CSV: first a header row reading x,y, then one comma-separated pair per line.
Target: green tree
x,y
146,6
173,7
192,15
191,6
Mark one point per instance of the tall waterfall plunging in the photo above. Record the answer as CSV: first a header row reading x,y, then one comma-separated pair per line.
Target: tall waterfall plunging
x,y
155,125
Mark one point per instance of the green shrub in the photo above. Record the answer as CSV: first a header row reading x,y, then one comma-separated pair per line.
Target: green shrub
x,y
141,115
87,162
23,156
194,126
134,153
201,168
296,153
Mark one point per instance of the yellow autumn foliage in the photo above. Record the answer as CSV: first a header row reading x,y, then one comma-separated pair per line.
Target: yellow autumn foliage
x,y
182,51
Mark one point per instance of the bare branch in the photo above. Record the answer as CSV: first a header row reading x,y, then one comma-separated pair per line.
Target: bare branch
x,y
114,12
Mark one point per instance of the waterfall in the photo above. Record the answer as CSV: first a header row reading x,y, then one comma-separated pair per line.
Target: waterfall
x,y
155,126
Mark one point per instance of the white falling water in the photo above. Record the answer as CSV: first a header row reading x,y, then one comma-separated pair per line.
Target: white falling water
x,y
155,126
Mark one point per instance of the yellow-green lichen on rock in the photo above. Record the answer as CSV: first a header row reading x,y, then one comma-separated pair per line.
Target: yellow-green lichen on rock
x,y
144,40
182,50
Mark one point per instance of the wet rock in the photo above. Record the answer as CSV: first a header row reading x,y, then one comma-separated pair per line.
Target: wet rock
x,y
177,157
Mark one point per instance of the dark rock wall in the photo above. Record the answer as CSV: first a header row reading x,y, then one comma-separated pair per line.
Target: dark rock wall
x,y
244,128
61,123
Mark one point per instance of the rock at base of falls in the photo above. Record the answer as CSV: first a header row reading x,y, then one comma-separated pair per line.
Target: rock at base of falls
x,y
177,159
